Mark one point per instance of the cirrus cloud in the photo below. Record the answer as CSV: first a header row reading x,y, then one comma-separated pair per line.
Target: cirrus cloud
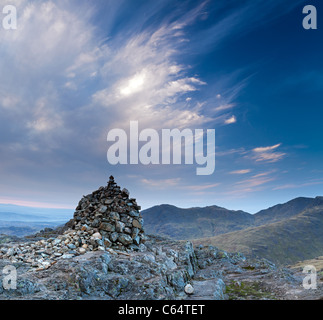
x,y
268,154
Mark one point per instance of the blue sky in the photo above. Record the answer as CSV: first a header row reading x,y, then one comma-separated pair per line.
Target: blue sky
x,y
73,70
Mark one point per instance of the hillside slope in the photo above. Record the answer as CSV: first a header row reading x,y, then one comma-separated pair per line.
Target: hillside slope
x,y
192,223
286,210
284,242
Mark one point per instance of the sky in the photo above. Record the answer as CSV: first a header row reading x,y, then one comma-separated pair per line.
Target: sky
x,y
73,71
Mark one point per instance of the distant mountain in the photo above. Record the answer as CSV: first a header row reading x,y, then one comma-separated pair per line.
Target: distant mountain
x,y
24,229
286,210
10,212
21,221
284,242
285,233
192,223
11,216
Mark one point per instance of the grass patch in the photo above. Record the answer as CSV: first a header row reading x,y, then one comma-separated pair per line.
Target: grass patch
x,y
248,291
249,268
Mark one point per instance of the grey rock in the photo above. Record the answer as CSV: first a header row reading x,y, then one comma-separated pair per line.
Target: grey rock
x,y
126,192
57,254
107,227
128,230
125,239
107,243
119,226
189,289
57,241
161,269
114,236
142,248
103,209
178,279
135,232
10,252
170,264
136,224
219,290
114,215
136,240
95,223
134,213
67,256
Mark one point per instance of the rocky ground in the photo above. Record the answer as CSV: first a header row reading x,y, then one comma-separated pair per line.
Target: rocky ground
x,y
160,269
103,253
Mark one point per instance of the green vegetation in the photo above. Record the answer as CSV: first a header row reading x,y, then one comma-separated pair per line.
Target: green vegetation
x,y
247,291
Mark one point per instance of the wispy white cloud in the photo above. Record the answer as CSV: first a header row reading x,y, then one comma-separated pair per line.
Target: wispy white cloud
x,y
255,182
161,183
224,153
245,187
44,117
263,174
300,185
81,76
178,184
245,171
225,107
266,149
267,154
198,188
153,87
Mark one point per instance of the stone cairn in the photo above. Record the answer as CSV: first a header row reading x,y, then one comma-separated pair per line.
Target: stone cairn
x,y
106,220
110,212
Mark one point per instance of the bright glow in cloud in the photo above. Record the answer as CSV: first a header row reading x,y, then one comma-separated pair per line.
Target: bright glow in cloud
x,y
134,85
231,120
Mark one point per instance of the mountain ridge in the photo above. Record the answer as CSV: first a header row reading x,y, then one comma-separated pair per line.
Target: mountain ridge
x,y
286,210
188,223
168,213
284,233
283,242
275,233
82,263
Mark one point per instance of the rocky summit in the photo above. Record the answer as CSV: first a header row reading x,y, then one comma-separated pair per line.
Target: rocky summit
x,y
103,253
105,219
161,269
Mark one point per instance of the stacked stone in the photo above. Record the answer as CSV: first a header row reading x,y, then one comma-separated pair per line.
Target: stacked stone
x,y
104,220
110,212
